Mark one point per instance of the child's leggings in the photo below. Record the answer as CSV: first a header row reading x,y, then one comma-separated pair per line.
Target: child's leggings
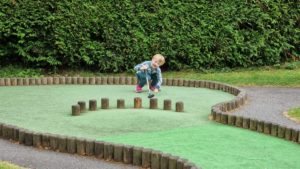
x,y
141,76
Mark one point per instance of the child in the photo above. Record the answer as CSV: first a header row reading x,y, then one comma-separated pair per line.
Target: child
x,y
152,71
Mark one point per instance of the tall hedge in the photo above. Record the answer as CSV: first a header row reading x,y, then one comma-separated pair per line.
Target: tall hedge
x,y
113,36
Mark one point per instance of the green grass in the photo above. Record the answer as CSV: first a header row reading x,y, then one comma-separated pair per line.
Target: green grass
x,y
295,113
7,165
287,75
189,135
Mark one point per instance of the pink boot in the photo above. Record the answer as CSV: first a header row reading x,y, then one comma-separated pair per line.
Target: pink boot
x,y
138,89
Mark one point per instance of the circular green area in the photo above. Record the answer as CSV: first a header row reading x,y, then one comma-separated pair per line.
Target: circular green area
x,y
190,134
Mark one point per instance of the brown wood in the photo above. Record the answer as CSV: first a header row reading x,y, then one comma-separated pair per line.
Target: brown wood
x,y
104,103
82,106
167,104
120,103
153,103
75,110
137,103
179,107
93,105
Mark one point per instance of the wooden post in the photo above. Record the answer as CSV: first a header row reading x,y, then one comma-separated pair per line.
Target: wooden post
x,y
127,154
108,151
120,103
93,105
146,158
167,104
137,156
75,110
179,107
155,159
137,103
82,106
99,149
89,147
153,103
118,152
104,103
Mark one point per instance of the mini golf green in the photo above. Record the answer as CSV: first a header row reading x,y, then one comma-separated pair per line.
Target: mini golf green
x,y
190,134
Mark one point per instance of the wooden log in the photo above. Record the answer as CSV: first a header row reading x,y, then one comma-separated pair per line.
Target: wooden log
x,y
19,82
153,103
231,120
53,141
175,82
218,116
92,80
118,152
180,163
137,102
288,133
108,151
267,128
22,136
294,135
167,104
180,82
86,81
45,140
146,158
155,159
32,81
164,161
7,82
274,128
74,80
188,165
281,131
173,162
253,124
62,80
169,82
62,143
122,80
71,145
99,149
246,123
110,80
191,83
75,110
239,121
104,103
120,103
37,140
80,80
49,80
68,80
90,147
179,107
104,80
82,106
28,138
93,105
116,80
2,82
137,156
224,118
55,80
128,80
260,126
15,133
38,81
186,83
98,80
80,146
127,154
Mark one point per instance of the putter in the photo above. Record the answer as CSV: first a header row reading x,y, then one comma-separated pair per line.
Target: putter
x,y
150,95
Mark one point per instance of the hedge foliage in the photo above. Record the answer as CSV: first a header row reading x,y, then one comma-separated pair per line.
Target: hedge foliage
x,y
113,36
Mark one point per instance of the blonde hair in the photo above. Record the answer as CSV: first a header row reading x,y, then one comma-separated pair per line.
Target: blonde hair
x,y
160,58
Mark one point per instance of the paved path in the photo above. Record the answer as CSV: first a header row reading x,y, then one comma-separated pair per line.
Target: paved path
x,y
264,103
34,158
269,103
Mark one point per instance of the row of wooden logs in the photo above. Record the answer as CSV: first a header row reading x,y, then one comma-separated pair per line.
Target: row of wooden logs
x,y
81,106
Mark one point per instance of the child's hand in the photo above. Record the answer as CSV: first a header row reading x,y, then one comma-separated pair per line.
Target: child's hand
x,y
156,90
144,67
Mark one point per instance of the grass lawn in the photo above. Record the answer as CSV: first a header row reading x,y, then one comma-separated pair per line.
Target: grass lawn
x,y
295,113
189,135
7,165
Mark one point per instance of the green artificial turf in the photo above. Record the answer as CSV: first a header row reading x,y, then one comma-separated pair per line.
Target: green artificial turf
x,y
190,134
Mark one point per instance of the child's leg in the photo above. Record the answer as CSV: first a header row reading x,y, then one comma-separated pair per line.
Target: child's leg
x,y
154,80
141,77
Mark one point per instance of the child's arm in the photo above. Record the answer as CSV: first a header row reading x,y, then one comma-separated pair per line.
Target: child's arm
x,y
141,66
159,78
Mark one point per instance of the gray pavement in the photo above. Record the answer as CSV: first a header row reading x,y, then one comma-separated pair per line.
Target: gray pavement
x,y
269,103
34,158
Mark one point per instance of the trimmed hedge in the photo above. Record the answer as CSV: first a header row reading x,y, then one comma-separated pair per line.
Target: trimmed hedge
x,y
113,36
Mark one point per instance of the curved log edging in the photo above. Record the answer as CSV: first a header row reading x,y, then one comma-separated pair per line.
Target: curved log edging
x,y
128,154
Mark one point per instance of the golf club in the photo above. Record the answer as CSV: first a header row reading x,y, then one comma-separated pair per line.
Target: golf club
x,y
150,95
